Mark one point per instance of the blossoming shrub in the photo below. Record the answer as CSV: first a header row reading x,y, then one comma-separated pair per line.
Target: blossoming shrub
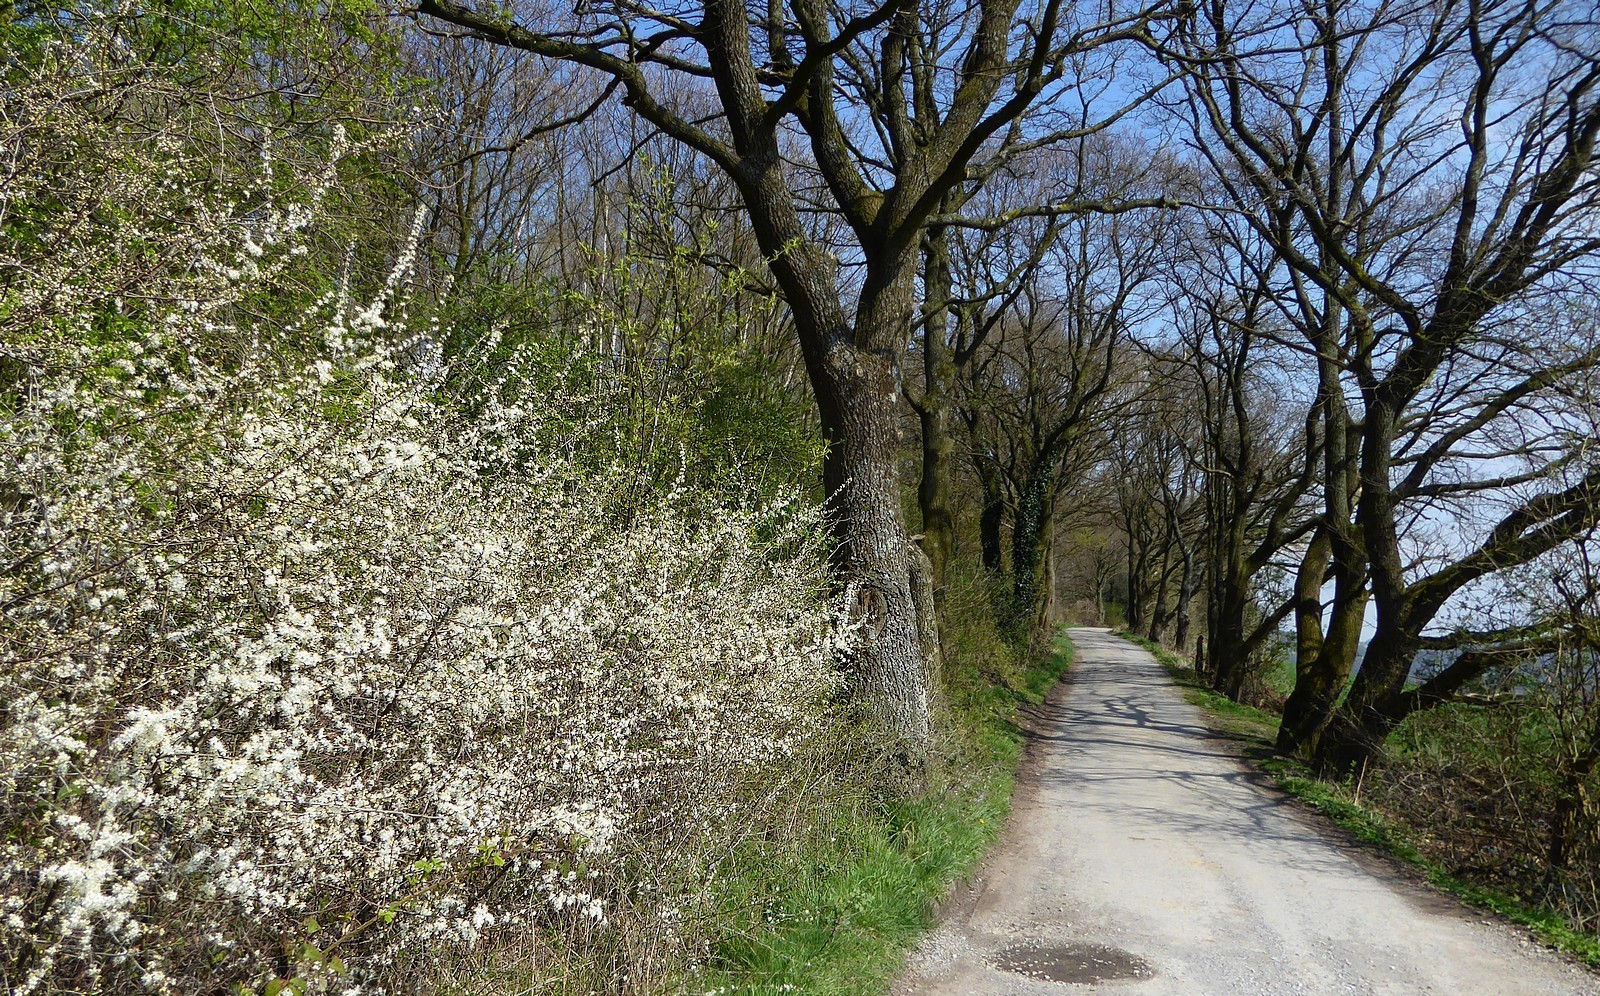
x,y
305,673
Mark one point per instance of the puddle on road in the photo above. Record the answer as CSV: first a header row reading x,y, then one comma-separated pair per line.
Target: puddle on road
x,y
1074,963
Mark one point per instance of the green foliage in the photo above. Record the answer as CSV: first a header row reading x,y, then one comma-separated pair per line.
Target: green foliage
x,y
181,34
691,347
832,906
832,912
1490,785
1468,734
682,356
1336,801
198,102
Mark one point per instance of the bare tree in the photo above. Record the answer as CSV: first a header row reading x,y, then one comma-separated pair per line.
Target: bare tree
x,y
1049,375
1257,449
895,106
1426,173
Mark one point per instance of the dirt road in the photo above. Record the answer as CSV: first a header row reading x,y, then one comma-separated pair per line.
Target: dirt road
x,y
1143,857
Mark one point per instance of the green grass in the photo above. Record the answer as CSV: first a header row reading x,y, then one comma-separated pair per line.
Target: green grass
x,y
1338,802
837,914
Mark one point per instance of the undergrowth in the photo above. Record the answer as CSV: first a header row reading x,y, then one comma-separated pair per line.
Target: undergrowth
x,y
833,907
1340,802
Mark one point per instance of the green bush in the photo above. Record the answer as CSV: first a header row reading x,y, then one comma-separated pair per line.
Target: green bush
x,y
832,888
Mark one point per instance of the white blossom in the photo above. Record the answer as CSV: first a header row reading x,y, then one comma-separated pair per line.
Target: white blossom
x,y
296,643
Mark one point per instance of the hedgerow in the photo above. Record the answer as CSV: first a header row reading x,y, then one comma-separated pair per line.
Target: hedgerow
x,y
314,669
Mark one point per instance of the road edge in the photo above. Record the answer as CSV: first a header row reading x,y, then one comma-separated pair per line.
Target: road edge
x,y
962,900
1384,848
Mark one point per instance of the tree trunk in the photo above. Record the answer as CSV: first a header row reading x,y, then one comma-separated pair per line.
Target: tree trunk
x,y
1030,540
861,477
933,411
1319,683
1185,598
1228,628
858,395
991,519
1159,614
1324,659
1133,617
1571,822
922,596
1306,712
992,510
1376,703
854,377
1047,605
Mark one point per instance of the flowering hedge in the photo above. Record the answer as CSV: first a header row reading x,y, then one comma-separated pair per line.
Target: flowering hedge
x,y
303,670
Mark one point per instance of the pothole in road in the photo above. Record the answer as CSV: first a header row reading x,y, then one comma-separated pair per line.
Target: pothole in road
x,y
1073,963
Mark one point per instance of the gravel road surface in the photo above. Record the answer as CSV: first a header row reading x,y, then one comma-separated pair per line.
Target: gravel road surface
x,y
1143,857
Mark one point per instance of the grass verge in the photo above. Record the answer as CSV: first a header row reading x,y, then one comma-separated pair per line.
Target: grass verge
x,y
837,913
1340,803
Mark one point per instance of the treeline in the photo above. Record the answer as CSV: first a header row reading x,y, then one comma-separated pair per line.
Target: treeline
x,y
1358,462
534,443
